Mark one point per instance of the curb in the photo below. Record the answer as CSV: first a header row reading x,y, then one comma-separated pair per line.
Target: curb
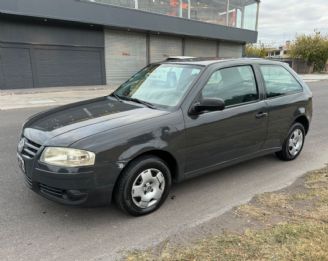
x,y
56,90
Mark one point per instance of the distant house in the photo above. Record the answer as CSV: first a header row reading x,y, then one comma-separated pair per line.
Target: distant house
x,y
282,52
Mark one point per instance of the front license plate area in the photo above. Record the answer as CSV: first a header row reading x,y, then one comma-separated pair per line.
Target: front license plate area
x,y
21,163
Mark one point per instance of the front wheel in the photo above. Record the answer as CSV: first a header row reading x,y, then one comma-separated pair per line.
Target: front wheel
x,y
293,144
143,186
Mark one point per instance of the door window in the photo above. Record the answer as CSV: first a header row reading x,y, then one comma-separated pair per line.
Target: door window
x,y
234,85
278,81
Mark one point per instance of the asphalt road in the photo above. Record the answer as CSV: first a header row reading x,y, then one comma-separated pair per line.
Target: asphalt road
x,y
33,228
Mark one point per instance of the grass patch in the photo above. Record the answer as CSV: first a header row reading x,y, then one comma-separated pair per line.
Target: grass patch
x,y
298,241
263,206
295,227
252,211
273,200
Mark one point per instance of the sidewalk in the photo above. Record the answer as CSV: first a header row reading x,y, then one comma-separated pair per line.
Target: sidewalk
x,y
28,98
314,77
55,96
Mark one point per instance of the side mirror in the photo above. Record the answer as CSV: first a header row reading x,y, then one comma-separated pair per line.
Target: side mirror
x,y
208,104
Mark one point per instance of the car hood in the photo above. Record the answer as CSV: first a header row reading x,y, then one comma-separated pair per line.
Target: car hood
x,y
67,124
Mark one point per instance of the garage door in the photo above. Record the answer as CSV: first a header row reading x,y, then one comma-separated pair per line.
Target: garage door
x,y
161,47
46,66
46,53
125,54
15,68
200,48
230,50
68,66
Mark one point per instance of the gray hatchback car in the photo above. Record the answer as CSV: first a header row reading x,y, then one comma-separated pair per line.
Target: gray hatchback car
x,y
171,121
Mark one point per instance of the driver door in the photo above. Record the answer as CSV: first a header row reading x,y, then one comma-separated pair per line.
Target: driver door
x,y
239,130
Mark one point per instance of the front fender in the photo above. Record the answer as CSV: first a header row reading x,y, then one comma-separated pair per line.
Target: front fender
x,y
139,149
121,145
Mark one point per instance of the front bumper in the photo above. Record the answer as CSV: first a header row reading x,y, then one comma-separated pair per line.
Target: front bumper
x,y
87,186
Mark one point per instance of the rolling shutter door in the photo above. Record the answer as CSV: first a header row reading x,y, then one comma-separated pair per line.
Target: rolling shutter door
x,y
200,48
161,47
36,54
68,66
230,50
125,54
15,68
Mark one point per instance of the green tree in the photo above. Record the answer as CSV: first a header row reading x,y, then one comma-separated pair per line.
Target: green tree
x,y
311,48
255,51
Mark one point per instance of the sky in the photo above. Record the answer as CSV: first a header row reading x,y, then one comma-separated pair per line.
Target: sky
x,y
280,21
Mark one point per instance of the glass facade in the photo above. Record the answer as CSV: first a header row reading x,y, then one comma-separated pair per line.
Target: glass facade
x,y
233,13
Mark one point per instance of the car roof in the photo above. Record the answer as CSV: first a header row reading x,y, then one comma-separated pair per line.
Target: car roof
x,y
216,60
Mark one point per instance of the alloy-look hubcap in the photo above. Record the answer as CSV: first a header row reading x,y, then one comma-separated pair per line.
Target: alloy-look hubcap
x,y
148,188
295,142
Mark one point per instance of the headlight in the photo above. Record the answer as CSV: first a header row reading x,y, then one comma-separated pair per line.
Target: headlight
x,y
66,157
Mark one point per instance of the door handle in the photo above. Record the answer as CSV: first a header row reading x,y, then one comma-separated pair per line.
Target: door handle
x,y
261,114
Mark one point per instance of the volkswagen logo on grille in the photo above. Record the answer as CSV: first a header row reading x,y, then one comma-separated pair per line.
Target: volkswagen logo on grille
x,y
21,145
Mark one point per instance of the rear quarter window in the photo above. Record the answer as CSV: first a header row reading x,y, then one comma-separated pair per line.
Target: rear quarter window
x,y
279,81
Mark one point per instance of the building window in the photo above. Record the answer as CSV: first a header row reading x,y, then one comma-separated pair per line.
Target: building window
x,y
234,13
250,16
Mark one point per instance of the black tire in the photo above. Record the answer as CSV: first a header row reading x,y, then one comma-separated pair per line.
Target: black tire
x,y
285,153
123,188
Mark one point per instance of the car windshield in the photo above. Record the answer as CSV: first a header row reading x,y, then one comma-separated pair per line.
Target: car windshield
x,y
159,84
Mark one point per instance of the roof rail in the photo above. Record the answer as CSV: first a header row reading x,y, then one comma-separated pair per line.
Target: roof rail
x,y
172,58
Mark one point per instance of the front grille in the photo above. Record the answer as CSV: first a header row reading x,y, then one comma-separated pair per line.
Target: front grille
x,y
30,148
28,181
59,193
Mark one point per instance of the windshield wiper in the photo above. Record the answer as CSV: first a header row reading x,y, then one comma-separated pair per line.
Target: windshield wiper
x,y
116,96
148,104
120,98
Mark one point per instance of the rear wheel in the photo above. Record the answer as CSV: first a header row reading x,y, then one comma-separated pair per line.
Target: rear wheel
x,y
143,186
293,144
